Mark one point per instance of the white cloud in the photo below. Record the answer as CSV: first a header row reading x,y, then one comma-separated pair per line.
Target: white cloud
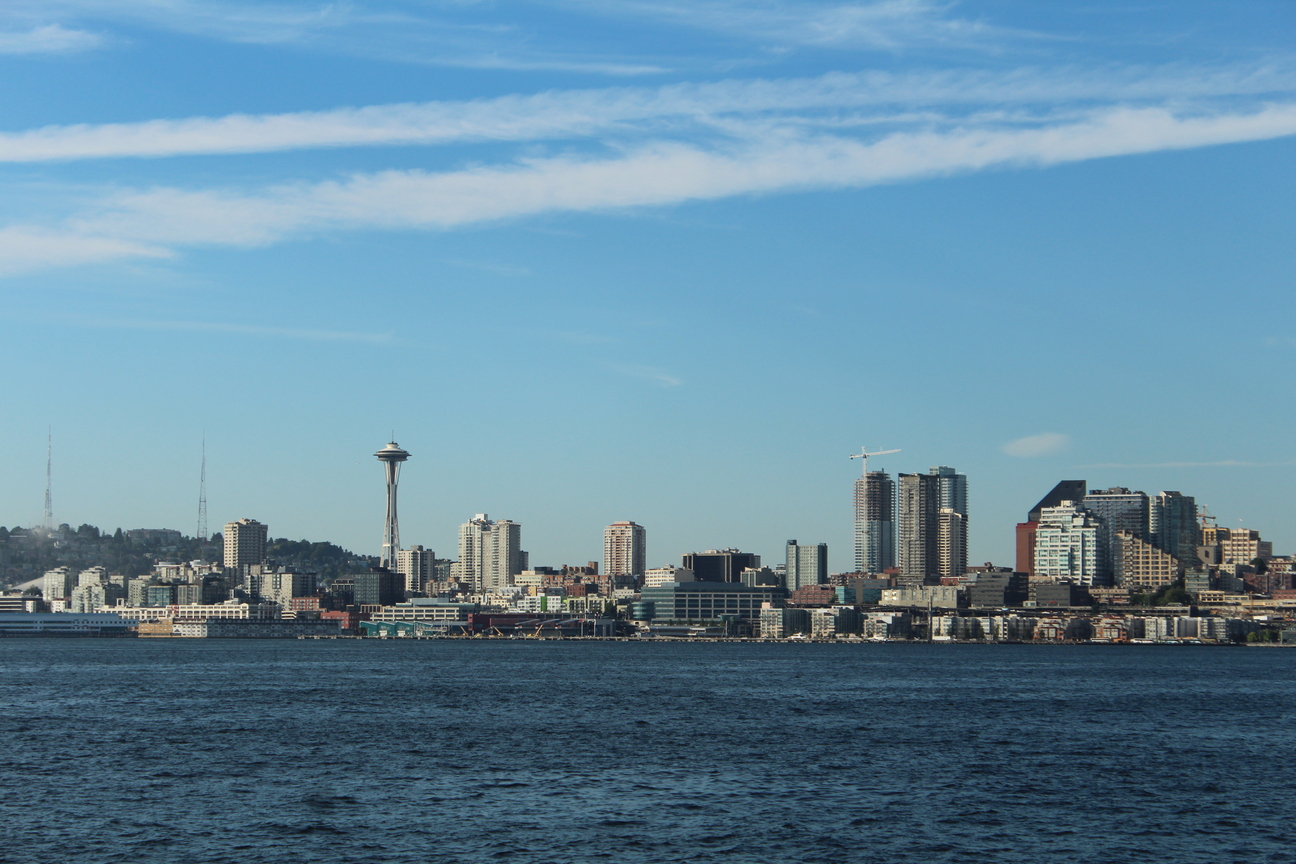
x,y
882,24
461,34
241,330
1223,463
652,174
650,374
623,112
50,39
24,248
1032,446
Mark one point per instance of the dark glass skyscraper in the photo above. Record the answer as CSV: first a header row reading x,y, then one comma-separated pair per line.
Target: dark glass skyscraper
x,y
720,565
1120,510
1173,526
919,515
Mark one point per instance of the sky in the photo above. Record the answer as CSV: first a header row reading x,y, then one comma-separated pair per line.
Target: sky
x,y
651,260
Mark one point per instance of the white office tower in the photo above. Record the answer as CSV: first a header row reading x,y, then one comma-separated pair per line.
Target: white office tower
x,y
874,522
245,545
625,549
1071,543
416,565
490,553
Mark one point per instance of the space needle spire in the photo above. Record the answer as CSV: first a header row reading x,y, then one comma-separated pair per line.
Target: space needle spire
x,y
391,456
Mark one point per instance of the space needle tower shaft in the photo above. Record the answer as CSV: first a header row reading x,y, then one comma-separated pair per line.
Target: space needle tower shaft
x,y
391,456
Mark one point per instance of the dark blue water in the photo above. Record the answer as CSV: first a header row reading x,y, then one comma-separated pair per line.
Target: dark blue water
x,y
177,750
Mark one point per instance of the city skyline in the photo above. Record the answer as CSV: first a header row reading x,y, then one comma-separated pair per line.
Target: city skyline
x,y
652,235
952,488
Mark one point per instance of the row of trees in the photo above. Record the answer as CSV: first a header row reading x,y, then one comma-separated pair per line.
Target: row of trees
x,y
26,553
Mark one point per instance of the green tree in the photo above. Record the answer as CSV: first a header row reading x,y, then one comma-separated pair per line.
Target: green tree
x,y
1261,565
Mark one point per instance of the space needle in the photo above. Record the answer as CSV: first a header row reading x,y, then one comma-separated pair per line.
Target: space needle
x,y
391,456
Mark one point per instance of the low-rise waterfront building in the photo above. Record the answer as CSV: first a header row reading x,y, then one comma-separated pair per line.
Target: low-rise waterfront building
x,y
425,609
230,609
780,623
655,577
707,601
65,624
936,596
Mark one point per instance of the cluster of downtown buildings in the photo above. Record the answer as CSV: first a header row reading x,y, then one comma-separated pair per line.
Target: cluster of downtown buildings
x,y
1088,563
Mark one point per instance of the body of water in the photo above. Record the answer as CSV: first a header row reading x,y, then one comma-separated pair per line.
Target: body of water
x,y
400,751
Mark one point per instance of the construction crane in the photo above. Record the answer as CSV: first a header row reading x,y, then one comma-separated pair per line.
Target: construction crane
x,y
864,455
1204,515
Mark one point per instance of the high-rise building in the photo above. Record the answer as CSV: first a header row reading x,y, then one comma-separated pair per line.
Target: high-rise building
x,y
1173,526
89,597
92,576
58,583
378,587
874,522
951,542
1066,490
1140,564
625,549
806,565
919,523
1120,510
951,489
415,565
508,559
245,545
391,456
1070,543
1242,546
490,553
951,524
474,550
719,565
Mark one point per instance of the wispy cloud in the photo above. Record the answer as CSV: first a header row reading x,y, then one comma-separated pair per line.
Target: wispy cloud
x,y
636,111
661,173
296,333
49,39
1223,463
1034,446
259,22
460,34
27,248
650,374
882,24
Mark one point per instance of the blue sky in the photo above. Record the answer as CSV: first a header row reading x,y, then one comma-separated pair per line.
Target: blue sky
x,y
644,260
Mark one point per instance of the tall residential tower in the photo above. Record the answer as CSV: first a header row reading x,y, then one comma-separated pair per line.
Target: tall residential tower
x,y
625,549
933,525
490,553
245,545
